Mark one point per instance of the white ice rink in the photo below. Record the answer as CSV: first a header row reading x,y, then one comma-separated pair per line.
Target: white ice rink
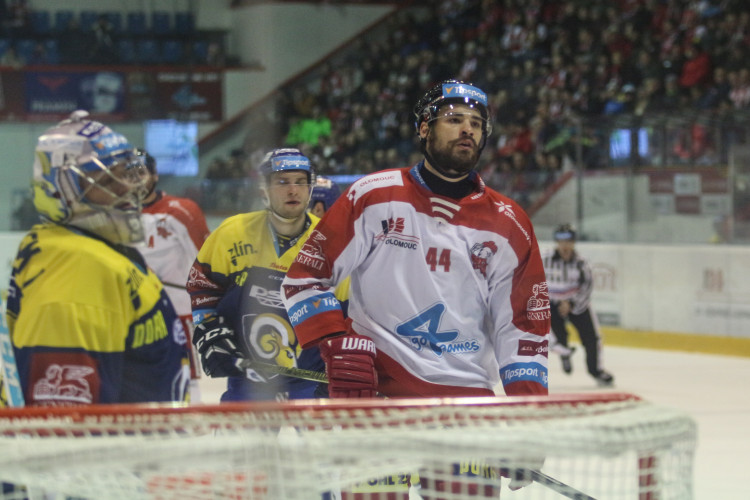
x,y
709,387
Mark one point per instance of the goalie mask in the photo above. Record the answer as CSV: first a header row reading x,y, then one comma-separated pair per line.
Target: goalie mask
x,y
88,176
285,160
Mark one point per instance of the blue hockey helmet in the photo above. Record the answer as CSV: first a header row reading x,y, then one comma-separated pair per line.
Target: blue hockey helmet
x,y
326,191
284,159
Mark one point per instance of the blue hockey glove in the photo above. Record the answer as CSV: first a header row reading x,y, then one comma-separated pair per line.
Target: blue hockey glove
x,y
217,346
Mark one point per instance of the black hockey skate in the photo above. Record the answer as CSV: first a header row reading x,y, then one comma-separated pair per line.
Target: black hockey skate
x,y
566,364
604,379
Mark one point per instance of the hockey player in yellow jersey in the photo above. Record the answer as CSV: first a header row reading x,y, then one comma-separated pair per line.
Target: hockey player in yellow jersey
x,y
89,322
235,282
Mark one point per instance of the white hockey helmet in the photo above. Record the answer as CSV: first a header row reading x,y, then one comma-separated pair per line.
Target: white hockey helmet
x,y
87,175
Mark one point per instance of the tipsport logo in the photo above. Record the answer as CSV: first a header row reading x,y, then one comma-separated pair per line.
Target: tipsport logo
x,y
450,91
524,372
291,163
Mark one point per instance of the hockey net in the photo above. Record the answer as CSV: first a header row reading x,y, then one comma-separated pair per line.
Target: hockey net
x,y
604,446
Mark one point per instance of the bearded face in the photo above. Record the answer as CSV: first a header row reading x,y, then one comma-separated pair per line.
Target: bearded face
x,y
453,139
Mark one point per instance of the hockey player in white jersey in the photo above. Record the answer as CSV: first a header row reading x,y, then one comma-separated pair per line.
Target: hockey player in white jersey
x,y
448,295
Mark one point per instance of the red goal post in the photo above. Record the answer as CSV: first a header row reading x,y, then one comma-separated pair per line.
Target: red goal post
x,y
604,446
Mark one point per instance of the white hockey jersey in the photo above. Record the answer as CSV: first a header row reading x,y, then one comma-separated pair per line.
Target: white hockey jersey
x,y
452,292
175,228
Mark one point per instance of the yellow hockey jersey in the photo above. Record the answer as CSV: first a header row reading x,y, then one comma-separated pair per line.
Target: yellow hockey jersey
x,y
90,323
237,275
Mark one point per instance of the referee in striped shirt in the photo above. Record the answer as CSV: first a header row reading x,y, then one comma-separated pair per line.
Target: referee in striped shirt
x,y
570,286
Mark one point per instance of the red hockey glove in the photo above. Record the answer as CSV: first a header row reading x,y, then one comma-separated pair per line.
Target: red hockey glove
x,y
350,366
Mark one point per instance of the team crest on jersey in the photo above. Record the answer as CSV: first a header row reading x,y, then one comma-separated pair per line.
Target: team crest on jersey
x,y
537,307
270,338
393,234
480,254
161,228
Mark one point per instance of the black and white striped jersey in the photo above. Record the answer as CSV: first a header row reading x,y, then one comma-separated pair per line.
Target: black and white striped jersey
x,y
568,280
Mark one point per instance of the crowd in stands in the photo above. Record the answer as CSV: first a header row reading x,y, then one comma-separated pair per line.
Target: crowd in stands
x,y
31,37
553,68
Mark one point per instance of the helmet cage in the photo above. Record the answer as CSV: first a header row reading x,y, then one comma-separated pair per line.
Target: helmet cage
x,y
88,176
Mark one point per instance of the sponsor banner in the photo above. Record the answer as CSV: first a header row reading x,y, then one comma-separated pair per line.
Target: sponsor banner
x,y
54,94
186,95
36,96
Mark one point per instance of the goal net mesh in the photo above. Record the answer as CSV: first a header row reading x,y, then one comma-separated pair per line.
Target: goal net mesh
x,y
603,446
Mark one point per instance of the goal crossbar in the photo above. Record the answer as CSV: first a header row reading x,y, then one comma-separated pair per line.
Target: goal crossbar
x,y
608,445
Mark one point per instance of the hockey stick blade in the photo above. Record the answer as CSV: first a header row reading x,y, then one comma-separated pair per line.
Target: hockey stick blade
x,y
174,285
284,370
558,486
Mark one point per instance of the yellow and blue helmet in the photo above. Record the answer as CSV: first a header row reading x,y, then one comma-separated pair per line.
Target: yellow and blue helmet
x,y
78,156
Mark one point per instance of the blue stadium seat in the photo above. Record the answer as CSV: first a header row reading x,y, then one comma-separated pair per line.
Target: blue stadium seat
x,y
39,20
25,49
171,52
136,23
4,44
87,18
52,47
62,19
160,22
115,19
184,23
126,51
147,51
200,51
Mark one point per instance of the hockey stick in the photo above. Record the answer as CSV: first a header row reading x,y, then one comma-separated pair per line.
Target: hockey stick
x,y
11,381
558,486
536,475
174,285
284,370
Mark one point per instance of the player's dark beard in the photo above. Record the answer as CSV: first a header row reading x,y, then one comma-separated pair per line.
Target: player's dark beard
x,y
448,164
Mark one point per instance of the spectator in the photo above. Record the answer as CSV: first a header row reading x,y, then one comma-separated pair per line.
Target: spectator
x,y
11,58
103,49
696,71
